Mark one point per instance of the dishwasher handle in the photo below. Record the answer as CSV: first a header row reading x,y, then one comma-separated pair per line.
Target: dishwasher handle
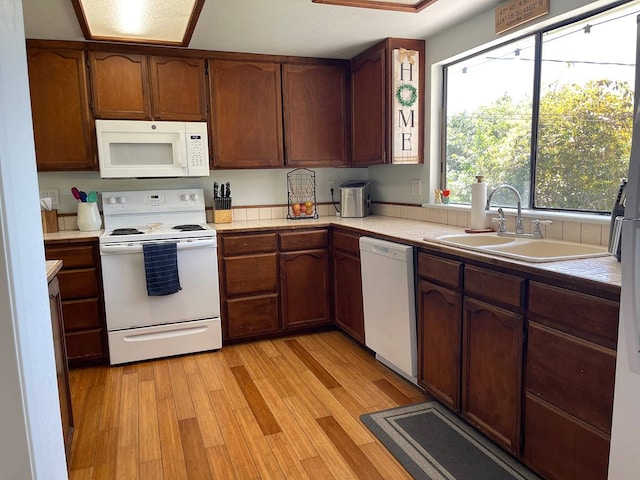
x,y
383,248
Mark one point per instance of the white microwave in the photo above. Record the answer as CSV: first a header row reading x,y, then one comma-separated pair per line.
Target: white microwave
x,y
139,149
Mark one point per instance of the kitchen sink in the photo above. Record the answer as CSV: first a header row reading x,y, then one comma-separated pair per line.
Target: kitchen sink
x,y
524,249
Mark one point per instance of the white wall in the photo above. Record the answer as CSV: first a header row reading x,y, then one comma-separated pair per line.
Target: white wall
x,y
31,444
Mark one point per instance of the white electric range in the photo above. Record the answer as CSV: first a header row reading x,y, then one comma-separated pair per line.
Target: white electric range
x,y
142,325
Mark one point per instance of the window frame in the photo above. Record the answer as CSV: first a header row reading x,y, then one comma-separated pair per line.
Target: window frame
x,y
537,36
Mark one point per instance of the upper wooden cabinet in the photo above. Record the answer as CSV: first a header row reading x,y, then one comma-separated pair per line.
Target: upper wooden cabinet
x,y
315,115
373,89
178,88
146,87
246,114
368,109
62,124
267,114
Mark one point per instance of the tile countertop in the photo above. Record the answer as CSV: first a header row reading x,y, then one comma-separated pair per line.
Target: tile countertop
x,y
601,273
53,267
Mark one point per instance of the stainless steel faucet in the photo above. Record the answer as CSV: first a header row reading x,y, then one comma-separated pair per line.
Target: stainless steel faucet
x,y
504,186
501,221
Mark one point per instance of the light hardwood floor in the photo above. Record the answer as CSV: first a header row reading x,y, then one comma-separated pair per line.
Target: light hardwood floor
x,y
276,409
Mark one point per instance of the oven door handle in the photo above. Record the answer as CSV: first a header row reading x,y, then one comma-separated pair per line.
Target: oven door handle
x,y
137,247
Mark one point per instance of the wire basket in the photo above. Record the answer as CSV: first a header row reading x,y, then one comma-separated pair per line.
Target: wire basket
x,y
301,194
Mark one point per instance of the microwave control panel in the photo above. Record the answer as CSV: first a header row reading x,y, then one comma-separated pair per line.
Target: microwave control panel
x,y
196,151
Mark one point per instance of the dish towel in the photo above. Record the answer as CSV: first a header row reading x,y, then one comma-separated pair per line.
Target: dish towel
x,y
161,268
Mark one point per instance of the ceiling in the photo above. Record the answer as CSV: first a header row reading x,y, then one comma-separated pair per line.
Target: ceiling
x,y
279,27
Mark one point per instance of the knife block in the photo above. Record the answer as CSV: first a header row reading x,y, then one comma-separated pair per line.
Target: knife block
x,y
222,216
49,221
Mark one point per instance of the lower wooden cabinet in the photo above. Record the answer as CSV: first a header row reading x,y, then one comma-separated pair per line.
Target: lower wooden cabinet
x,y
570,372
249,290
439,322
82,300
347,284
62,369
305,288
439,334
492,371
273,282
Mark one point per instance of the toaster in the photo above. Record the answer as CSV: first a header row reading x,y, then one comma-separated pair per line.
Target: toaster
x,y
355,199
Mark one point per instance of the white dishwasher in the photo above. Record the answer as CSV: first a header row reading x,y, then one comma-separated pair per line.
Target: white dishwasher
x,y
389,304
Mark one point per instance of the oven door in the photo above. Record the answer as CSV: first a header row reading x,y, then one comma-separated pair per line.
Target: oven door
x,y
127,303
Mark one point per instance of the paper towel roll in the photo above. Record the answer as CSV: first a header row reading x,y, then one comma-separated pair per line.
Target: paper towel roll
x,y
478,203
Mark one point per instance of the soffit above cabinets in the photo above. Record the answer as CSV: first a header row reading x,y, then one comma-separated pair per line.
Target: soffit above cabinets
x,y
281,27
398,5
162,22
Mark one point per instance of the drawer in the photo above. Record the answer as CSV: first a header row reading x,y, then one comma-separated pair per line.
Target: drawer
x,y
250,275
252,316
347,242
81,255
572,374
494,286
85,345
81,314
78,283
440,270
592,318
559,447
245,244
308,240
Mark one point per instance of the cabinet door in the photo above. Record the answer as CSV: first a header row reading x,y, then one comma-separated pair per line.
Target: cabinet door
x,y
246,114
305,288
250,316
574,375
251,274
62,124
492,371
120,85
178,88
369,110
439,341
560,447
347,290
62,369
315,115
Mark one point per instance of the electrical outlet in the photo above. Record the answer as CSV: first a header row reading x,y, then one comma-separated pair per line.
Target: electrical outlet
x,y
331,186
53,194
416,187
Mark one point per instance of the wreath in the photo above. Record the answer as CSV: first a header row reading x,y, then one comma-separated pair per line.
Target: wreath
x,y
412,92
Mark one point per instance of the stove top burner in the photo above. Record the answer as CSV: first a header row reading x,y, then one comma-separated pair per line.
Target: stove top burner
x,y
188,228
125,231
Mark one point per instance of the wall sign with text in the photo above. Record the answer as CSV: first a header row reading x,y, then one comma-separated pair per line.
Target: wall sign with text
x,y
406,122
517,12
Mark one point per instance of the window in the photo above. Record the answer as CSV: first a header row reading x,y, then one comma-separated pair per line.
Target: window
x,y
550,114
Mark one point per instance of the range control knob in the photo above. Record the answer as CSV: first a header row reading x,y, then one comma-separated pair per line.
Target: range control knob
x,y
194,197
122,200
111,200
185,197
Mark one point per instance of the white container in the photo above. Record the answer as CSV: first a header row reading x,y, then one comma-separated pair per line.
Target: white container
x,y
88,217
